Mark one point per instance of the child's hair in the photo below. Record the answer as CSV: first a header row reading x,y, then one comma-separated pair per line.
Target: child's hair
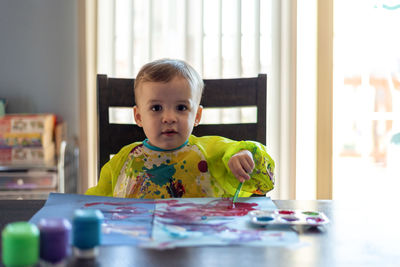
x,y
164,70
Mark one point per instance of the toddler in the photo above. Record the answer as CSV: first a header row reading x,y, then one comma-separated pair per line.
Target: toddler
x,y
171,162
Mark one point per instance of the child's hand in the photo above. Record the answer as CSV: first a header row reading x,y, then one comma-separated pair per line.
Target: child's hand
x,y
241,164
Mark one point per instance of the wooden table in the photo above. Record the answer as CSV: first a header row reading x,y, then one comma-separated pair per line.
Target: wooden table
x,y
363,233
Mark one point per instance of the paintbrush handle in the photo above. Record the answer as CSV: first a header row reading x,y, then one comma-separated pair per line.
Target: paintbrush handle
x,y
238,189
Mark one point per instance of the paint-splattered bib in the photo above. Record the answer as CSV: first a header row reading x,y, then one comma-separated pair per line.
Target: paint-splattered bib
x,y
198,169
157,174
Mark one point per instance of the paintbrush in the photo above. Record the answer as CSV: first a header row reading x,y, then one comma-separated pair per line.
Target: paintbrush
x,y
238,189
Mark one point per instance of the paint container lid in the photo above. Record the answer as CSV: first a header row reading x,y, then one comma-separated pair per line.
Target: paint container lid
x,y
20,242
86,228
54,239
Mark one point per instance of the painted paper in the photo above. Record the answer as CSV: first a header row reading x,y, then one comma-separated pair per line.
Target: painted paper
x,y
177,222
211,221
126,221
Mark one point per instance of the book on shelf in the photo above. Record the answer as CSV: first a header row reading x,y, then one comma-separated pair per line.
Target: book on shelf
x,y
28,155
27,139
15,140
27,123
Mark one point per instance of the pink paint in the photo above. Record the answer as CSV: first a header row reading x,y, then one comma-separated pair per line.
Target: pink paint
x,y
218,207
167,201
195,211
177,210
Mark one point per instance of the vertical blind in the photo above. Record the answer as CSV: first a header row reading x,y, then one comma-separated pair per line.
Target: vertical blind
x,y
219,38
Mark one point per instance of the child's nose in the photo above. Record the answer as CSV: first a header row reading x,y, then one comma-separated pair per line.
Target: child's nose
x,y
169,116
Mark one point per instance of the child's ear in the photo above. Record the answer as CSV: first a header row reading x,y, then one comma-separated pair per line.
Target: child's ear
x,y
137,116
198,115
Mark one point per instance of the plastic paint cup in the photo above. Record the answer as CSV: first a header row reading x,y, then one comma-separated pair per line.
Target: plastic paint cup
x,y
54,239
86,227
20,241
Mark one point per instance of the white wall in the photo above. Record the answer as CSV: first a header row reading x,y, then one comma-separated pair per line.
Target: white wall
x,y
39,58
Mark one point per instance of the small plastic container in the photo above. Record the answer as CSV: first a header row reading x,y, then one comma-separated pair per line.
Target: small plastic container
x,y
54,241
20,244
86,232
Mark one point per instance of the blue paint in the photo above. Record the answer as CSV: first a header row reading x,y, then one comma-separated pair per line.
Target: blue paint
x,y
176,231
265,219
162,174
395,139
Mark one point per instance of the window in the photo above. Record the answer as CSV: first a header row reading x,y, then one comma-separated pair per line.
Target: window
x,y
366,129
220,38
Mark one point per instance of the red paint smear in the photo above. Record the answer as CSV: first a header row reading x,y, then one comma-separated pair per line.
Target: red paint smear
x,y
177,210
218,207
286,212
196,211
172,201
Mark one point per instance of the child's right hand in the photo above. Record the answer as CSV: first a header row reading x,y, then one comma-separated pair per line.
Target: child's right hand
x,y
241,164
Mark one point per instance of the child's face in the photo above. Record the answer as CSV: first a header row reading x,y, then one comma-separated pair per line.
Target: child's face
x,y
167,112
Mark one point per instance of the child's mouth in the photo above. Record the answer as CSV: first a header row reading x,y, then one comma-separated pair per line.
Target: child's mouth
x,y
169,132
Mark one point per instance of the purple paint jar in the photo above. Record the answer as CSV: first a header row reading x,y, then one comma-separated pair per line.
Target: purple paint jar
x,y
54,239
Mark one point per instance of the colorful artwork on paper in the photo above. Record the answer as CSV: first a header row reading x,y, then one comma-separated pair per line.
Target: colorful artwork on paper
x,y
175,222
126,222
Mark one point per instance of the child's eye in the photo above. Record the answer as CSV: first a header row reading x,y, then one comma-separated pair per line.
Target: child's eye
x,y
156,108
181,107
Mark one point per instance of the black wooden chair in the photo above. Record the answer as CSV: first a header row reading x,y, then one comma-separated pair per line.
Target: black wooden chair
x,y
240,92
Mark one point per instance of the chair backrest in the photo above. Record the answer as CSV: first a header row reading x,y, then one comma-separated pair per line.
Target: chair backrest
x,y
240,92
